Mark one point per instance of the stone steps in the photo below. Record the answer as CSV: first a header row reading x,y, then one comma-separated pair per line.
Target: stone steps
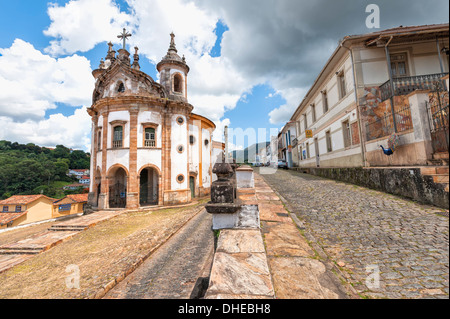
x,y
67,228
440,174
20,251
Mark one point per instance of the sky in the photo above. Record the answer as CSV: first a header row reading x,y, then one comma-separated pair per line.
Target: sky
x,y
251,61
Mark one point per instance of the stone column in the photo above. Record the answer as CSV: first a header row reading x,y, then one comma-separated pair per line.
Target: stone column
x,y
93,165
133,181
103,197
420,120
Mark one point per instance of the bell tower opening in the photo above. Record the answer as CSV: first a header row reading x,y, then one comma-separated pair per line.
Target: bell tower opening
x,y
178,84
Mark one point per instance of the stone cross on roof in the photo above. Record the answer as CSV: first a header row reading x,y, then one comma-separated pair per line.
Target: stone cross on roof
x,y
124,35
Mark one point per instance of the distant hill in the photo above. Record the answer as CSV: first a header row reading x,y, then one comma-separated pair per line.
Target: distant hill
x,y
32,169
249,154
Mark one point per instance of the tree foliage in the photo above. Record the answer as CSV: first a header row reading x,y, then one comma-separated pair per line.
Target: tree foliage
x,y
31,169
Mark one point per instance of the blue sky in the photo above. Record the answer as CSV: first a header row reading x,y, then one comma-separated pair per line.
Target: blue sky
x,y
249,68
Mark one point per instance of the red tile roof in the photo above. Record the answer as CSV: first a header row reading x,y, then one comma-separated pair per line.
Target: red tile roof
x,y
9,217
76,198
23,199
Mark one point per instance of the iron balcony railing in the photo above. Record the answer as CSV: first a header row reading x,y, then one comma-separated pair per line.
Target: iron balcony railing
x,y
407,84
384,125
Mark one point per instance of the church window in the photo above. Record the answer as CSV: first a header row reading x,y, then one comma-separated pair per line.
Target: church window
x,y
99,140
180,149
180,178
178,84
150,137
191,139
206,142
121,88
180,120
118,137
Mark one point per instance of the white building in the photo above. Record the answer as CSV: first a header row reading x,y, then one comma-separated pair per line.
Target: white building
x,y
347,114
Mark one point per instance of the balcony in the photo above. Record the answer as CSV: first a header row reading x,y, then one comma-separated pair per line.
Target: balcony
x,y
150,144
408,84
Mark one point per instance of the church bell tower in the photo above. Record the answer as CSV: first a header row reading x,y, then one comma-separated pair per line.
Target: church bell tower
x,y
173,73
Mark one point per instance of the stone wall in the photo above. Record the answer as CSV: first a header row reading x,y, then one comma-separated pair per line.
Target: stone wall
x,y
406,182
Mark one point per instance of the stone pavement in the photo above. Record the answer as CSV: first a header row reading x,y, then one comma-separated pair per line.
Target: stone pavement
x,y
384,246
176,268
272,262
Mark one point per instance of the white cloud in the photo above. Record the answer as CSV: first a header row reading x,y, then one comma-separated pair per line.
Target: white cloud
x,y
81,24
71,131
33,82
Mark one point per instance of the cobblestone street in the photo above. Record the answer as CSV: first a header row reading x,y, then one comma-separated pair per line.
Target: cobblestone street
x,y
363,231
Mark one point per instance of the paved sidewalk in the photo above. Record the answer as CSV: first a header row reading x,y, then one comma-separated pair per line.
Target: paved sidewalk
x,y
384,246
296,271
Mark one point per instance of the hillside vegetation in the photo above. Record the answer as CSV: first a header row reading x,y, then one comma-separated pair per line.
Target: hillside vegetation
x,y
31,169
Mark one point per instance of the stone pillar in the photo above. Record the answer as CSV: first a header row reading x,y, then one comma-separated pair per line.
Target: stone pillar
x,y
103,197
244,177
166,160
421,124
94,142
133,181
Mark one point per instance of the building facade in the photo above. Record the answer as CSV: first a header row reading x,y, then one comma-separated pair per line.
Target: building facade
x,y
374,85
25,209
148,148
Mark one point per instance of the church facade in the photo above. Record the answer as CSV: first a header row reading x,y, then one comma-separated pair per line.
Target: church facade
x,y
148,147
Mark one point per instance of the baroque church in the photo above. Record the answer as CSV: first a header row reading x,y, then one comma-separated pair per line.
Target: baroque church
x,y
148,148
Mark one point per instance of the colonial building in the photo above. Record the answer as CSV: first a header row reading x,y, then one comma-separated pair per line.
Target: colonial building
x,y
148,148
374,85
25,209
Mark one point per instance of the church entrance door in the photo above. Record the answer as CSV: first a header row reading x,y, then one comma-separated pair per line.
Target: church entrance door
x,y
118,189
192,186
148,187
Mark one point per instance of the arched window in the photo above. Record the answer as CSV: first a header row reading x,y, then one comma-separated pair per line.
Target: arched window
x,y
178,84
121,88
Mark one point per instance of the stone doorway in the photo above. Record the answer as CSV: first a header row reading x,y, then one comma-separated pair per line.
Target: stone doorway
x,y
118,188
148,187
192,186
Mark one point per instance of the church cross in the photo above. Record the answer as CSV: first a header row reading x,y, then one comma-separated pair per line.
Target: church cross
x,y
124,35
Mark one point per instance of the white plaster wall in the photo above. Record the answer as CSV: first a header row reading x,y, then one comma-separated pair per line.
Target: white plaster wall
x,y
428,64
149,156
100,121
149,117
194,151
179,161
99,160
375,72
206,158
120,156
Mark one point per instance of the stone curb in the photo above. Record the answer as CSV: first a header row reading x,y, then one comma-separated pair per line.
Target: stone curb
x,y
103,291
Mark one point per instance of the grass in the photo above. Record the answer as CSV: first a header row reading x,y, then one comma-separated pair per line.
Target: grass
x,y
102,253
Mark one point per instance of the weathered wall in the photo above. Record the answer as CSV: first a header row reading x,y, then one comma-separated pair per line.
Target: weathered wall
x,y
406,182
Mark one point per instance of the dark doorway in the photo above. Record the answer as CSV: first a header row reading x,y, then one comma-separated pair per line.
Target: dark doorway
x,y
192,186
148,187
118,189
